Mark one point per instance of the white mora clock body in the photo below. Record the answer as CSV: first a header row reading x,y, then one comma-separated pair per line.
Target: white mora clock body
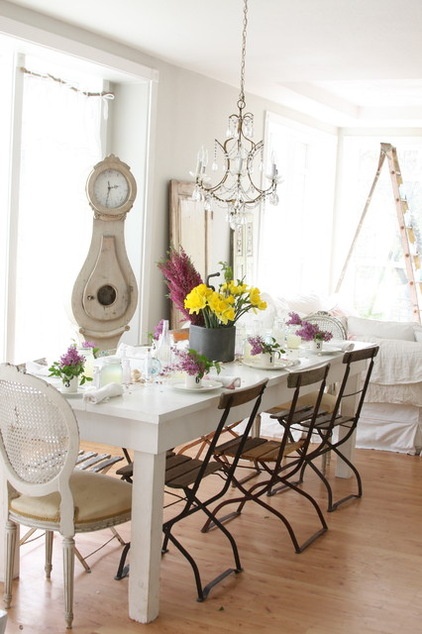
x,y
105,294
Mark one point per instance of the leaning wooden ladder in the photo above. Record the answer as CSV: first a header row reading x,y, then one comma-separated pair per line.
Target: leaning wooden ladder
x,y
407,234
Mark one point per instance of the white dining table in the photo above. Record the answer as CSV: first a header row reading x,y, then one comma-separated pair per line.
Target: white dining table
x,y
149,419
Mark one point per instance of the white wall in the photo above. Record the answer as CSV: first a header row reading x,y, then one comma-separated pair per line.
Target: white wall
x,y
188,110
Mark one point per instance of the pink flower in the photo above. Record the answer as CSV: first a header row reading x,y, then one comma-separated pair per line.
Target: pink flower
x,y
181,277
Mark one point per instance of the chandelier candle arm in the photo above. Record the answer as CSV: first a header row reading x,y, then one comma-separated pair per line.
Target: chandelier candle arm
x,y
237,189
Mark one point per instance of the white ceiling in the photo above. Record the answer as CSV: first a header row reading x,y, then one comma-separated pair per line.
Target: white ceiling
x,y
347,62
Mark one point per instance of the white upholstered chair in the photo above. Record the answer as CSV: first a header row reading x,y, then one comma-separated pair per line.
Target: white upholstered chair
x,y
39,444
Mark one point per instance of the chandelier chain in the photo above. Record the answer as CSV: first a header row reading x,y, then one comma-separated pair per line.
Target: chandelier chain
x,y
243,55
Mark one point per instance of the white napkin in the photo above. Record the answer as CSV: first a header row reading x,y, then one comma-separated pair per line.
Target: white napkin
x,y
39,369
229,382
345,346
108,391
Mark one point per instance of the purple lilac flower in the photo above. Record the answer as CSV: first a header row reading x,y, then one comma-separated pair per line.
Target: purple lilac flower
x,y
307,331
294,320
195,364
88,344
324,335
158,330
71,357
310,332
256,345
267,345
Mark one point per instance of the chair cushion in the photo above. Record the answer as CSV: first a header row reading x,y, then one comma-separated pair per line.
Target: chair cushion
x,y
97,498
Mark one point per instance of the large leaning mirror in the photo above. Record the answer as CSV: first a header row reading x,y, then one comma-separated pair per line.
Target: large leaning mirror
x,y
190,229
207,238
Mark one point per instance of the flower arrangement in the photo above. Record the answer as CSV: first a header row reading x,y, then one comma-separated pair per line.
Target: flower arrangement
x,y
71,365
195,364
181,277
223,307
308,331
267,345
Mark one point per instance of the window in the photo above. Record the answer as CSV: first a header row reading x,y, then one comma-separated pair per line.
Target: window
x,y
374,275
56,135
295,236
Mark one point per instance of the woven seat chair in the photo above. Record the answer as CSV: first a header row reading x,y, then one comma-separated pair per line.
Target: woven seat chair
x,y
335,428
185,475
39,445
279,462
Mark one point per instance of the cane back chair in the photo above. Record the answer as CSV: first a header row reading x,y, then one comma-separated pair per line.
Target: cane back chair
x,y
99,463
185,475
327,322
39,444
335,326
279,461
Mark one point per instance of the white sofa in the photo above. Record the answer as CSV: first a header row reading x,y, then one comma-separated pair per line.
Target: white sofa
x,y
391,418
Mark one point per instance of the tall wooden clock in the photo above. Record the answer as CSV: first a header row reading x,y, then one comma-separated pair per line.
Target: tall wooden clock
x,y
105,293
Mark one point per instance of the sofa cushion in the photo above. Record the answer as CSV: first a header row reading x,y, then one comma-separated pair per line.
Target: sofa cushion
x,y
304,304
398,362
418,333
361,327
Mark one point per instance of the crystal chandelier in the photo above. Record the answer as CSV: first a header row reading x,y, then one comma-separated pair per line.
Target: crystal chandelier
x,y
241,158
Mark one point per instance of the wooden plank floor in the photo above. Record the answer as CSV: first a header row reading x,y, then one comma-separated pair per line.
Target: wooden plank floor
x,y
364,576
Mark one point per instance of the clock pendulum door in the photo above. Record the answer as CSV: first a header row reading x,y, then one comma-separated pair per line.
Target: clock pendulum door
x,y
105,293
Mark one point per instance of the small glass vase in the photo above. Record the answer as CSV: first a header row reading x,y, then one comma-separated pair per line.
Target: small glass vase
x,y
70,386
192,381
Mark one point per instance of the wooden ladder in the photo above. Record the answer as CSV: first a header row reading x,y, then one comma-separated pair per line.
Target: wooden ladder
x,y
407,234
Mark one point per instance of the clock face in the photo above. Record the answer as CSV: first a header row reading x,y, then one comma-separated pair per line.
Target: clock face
x,y
111,188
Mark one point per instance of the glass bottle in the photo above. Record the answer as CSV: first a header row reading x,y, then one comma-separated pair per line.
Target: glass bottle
x,y
152,367
163,353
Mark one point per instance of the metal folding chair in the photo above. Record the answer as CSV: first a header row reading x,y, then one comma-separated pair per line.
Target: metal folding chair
x,y
185,475
279,461
336,428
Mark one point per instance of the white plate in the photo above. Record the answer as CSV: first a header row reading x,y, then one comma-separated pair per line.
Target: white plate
x,y
77,394
279,364
207,386
327,351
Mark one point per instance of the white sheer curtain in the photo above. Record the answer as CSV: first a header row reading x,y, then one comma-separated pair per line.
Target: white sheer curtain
x,y
60,145
295,237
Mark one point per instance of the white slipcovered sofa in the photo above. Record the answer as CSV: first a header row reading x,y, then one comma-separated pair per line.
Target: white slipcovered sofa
x,y
391,418
392,415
